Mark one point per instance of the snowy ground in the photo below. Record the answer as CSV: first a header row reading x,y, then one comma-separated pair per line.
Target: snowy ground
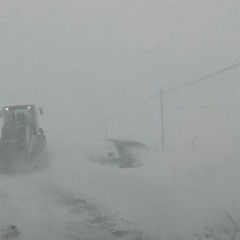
x,y
42,210
45,207
191,194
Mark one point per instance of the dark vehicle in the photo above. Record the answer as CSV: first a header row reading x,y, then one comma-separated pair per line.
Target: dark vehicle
x,y
123,153
22,139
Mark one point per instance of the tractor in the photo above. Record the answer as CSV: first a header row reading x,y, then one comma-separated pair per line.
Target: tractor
x,y
22,140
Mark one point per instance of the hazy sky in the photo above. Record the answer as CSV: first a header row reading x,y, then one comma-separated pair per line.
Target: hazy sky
x,y
82,59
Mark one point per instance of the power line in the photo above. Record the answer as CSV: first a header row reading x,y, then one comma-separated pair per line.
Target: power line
x,y
203,78
19,8
136,106
177,88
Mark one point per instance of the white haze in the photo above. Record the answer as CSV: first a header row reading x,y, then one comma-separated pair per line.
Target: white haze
x,y
85,60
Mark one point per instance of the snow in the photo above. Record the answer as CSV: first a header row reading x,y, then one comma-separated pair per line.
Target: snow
x,y
177,195
184,194
42,210
88,61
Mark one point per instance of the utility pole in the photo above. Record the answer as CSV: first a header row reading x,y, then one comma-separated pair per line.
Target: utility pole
x,y
106,127
162,119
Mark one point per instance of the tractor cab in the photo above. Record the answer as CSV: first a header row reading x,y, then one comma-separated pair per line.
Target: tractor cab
x,y
23,113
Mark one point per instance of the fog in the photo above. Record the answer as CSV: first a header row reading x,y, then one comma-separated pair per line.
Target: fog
x,y
82,60
87,61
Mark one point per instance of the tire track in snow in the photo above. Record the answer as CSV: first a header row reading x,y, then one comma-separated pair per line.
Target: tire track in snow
x,y
45,211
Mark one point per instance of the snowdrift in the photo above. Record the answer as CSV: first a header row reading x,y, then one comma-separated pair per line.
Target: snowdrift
x,y
185,194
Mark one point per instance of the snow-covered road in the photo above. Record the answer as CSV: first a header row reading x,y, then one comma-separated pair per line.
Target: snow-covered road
x,y
185,195
41,209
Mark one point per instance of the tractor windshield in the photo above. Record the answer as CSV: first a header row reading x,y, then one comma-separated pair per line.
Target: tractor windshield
x,y
23,115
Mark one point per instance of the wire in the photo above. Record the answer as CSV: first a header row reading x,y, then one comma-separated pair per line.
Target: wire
x,y
19,8
177,88
202,78
137,106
